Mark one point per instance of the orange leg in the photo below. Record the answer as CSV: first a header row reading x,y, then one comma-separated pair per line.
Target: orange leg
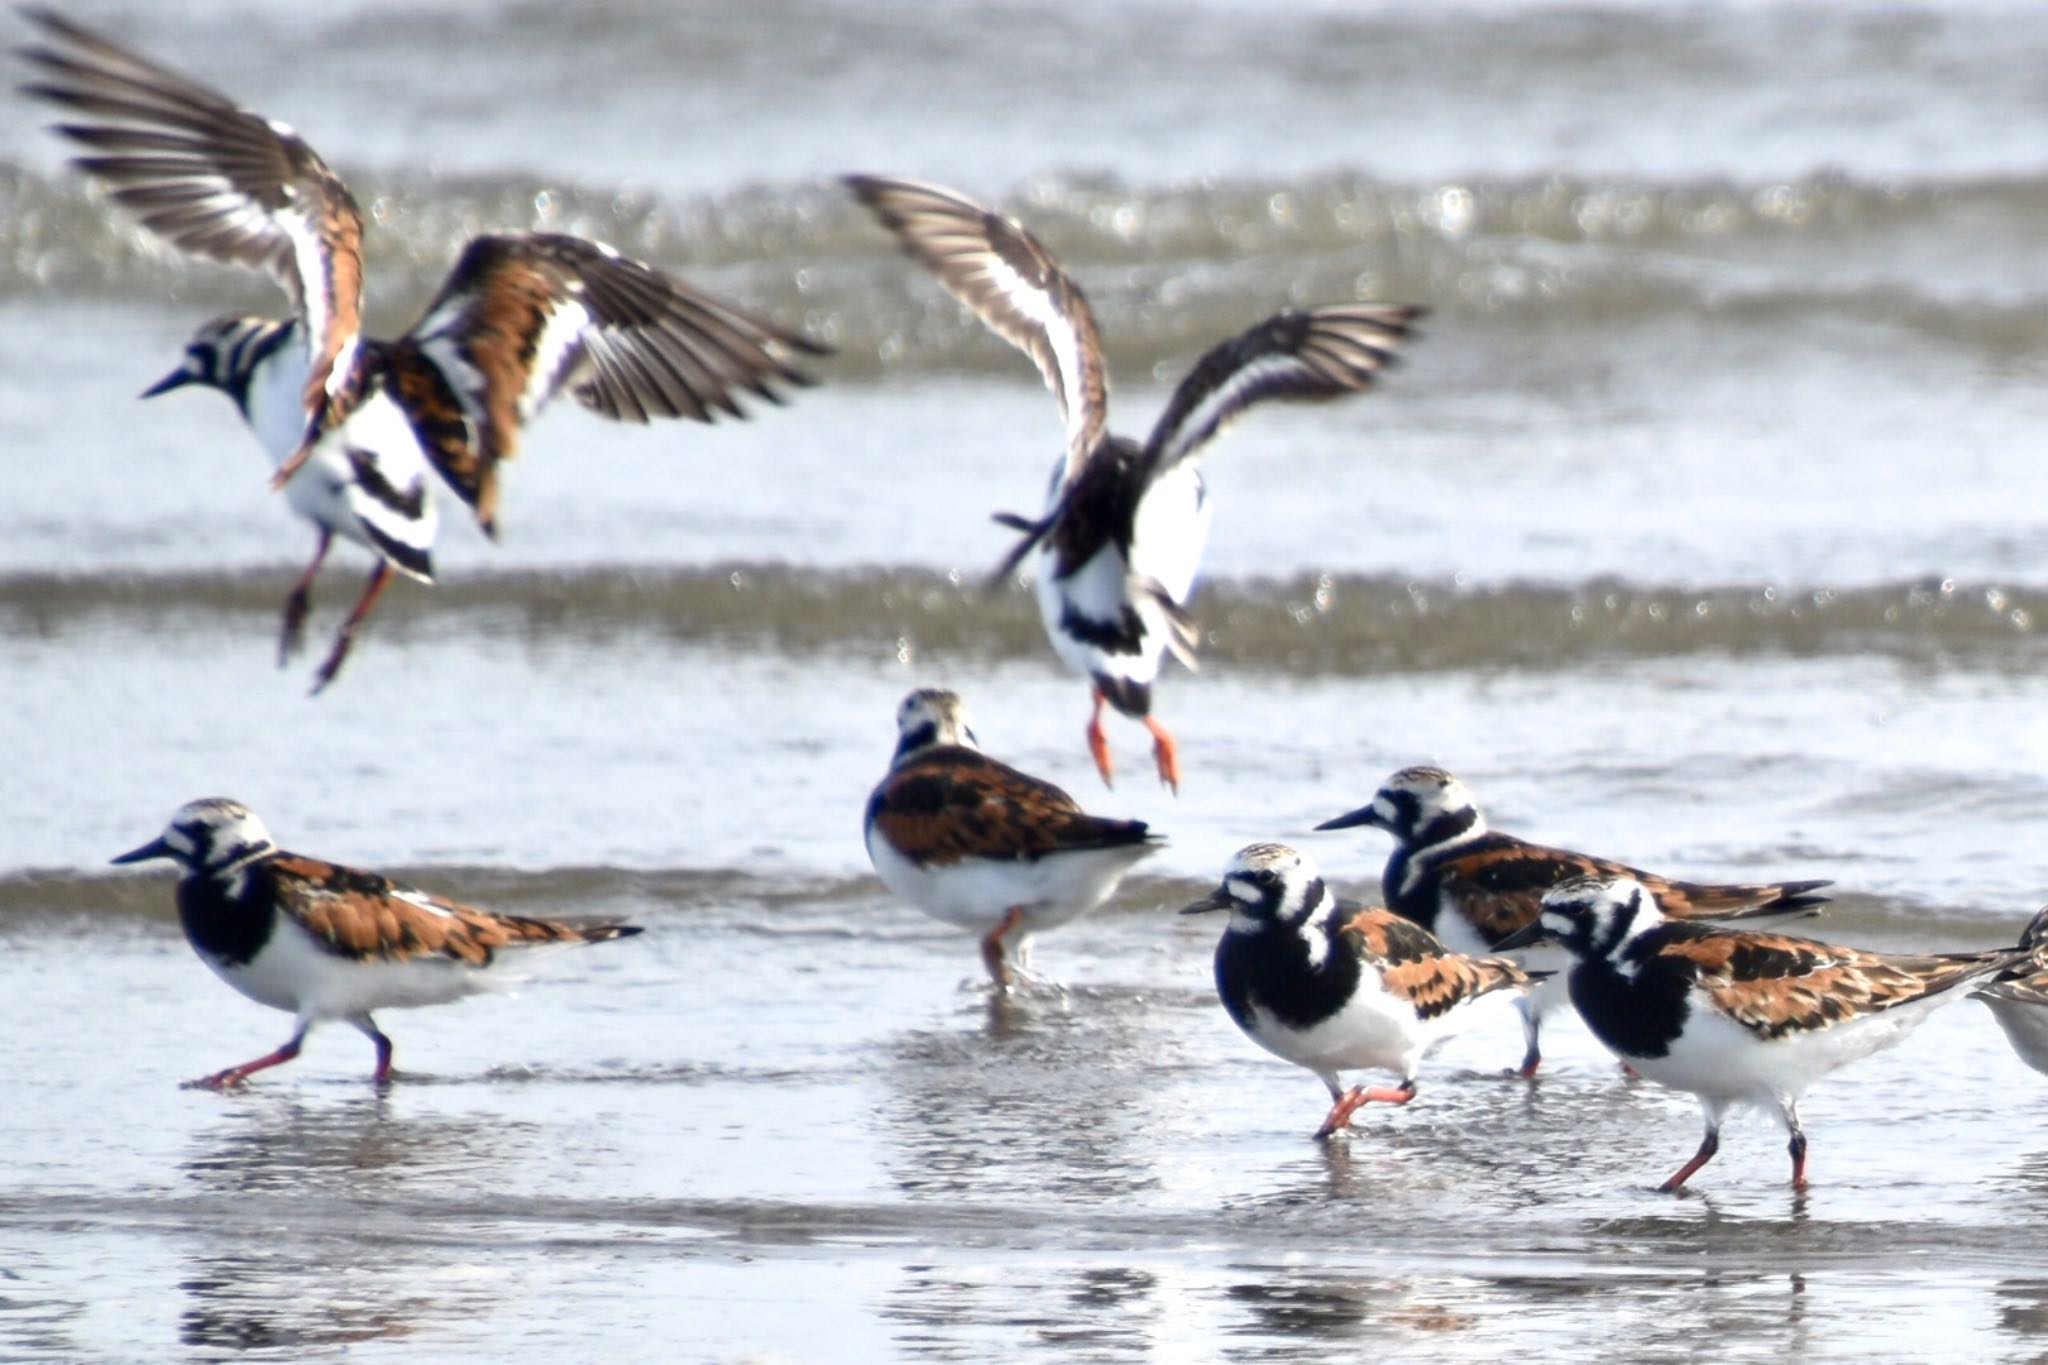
x,y
1098,742
380,577
992,947
1165,753
301,599
1708,1147
235,1075
1357,1098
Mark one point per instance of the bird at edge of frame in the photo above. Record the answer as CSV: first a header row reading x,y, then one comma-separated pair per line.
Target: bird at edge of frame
x,y
973,842
353,423
1473,886
1125,525
2018,998
1334,986
325,942
1736,1016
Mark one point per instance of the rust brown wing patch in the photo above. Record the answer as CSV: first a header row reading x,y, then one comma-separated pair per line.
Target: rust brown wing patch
x,y
365,917
444,428
1500,887
523,315
1415,967
956,803
1774,984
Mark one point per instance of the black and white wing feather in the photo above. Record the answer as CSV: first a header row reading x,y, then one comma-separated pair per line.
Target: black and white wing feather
x,y
995,267
525,315
1299,353
214,180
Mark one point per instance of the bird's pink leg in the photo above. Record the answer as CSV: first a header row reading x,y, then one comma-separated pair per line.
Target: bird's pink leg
x,y
380,578
301,599
1098,742
235,1075
992,947
1165,753
1708,1147
1357,1098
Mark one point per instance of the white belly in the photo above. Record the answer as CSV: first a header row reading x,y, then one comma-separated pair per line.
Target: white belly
x,y
977,893
1374,1029
1171,531
1719,1059
327,491
2026,1028
293,973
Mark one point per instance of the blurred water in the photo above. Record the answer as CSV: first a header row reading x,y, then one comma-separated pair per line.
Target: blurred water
x,y
1697,530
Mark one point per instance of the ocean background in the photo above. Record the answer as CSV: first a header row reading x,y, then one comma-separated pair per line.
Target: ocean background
x,y
1701,527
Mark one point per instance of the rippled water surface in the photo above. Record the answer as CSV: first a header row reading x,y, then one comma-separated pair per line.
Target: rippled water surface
x,y
1701,527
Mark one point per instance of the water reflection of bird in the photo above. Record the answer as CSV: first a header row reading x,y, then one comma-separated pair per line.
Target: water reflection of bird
x,y
307,1173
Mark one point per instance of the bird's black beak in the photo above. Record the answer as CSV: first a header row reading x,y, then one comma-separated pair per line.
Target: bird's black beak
x,y
1219,899
1362,816
1528,936
176,379
155,848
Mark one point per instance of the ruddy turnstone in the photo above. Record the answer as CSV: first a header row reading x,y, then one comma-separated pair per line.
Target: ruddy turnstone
x,y
330,942
2019,999
1473,887
1333,986
974,842
354,423
1734,1015
1125,525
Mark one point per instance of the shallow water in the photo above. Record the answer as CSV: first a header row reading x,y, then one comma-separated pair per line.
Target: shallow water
x,y
1697,530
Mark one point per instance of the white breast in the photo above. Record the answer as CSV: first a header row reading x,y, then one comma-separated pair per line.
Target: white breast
x,y
976,893
1374,1029
293,973
1717,1057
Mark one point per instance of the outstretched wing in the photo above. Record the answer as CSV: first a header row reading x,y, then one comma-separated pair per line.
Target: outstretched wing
x,y
991,264
1317,353
216,181
525,315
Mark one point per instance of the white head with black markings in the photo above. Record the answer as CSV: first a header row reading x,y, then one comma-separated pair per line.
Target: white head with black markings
x,y
929,717
1267,886
208,837
1422,807
1595,916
